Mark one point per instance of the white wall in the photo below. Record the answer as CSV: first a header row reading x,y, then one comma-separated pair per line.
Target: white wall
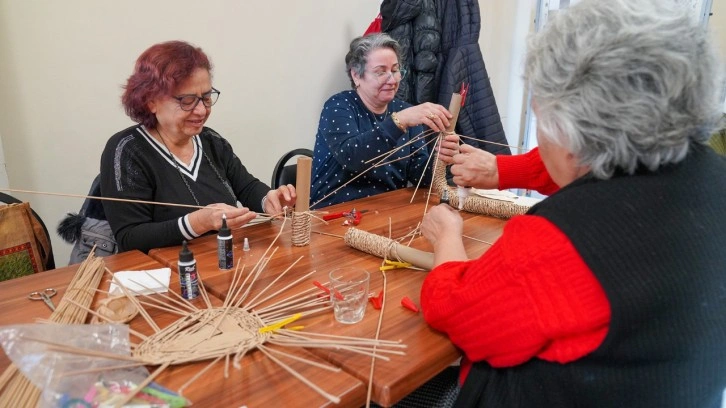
x,y
62,64
505,25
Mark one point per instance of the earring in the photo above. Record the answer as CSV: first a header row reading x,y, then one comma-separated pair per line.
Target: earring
x,y
357,85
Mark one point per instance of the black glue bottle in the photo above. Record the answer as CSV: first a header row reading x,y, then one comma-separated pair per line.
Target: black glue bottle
x,y
188,273
225,250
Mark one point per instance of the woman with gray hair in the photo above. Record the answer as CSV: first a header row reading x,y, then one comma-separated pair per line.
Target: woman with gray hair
x,y
359,125
611,291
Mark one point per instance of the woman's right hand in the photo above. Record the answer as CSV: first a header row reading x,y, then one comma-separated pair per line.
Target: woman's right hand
x,y
442,223
443,227
430,114
209,218
474,167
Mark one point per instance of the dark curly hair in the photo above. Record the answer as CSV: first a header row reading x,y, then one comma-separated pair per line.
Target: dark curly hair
x,y
158,71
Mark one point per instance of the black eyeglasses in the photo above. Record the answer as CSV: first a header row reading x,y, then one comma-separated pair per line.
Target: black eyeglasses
x,y
189,102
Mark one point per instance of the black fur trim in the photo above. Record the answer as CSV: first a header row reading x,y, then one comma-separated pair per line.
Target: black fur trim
x,y
70,227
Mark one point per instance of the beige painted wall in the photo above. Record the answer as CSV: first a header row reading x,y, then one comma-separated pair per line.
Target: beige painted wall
x,y
62,64
505,26
497,20
717,25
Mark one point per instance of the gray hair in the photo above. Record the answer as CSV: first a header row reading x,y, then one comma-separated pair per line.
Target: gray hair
x,y
360,47
621,83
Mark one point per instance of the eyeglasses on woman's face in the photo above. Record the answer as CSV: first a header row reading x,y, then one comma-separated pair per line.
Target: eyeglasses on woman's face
x,y
383,76
189,102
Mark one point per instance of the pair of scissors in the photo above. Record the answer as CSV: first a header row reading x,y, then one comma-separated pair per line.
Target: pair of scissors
x,y
45,296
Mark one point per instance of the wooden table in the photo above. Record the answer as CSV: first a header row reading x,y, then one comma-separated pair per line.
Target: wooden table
x,y
390,214
259,382
17,308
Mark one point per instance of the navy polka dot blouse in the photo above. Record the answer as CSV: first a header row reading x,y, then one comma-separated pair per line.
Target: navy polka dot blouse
x,y
349,135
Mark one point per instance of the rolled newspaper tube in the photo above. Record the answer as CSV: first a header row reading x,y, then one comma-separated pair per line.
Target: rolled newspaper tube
x,y
386,248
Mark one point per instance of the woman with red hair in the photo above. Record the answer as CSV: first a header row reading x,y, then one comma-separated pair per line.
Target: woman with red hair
x,y
169,156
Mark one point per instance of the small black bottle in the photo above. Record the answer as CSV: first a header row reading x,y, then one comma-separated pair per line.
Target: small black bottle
x,y
225,250
188,273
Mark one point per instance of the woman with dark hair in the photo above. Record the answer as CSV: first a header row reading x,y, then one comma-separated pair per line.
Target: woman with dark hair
x,y
359,125
610,292
171,157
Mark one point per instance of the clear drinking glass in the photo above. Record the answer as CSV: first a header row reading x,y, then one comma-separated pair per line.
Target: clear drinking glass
x,y
349,293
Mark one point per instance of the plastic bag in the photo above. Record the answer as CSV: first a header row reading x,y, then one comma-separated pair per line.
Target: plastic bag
x,y
42,353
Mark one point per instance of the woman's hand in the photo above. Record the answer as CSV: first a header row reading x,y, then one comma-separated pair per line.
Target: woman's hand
x,y
474,167
443,227
209,218
442,223
284,196
430,114
449,148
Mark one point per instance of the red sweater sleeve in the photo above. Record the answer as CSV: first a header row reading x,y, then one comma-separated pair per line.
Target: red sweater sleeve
x,y
525,171
530,295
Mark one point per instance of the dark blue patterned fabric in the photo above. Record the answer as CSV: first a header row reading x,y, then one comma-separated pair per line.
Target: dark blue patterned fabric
x,y
349,136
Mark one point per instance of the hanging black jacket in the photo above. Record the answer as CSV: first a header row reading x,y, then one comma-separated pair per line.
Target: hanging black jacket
x,y
414,24
448,39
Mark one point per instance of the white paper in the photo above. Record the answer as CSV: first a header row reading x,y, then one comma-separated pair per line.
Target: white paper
x,y
503,195
142,282
506,195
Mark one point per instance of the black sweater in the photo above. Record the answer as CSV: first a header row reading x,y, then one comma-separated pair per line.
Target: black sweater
x,y
135,166
655,242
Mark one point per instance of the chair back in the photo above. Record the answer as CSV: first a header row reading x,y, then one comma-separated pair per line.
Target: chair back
x,y
287,174
88,229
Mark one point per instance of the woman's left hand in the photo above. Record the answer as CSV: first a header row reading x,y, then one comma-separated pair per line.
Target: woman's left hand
x,y
284,196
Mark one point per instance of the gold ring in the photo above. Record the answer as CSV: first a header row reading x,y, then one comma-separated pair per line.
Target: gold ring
x,y
431,116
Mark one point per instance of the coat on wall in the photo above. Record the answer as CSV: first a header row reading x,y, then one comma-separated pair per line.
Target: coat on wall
x,y
440,49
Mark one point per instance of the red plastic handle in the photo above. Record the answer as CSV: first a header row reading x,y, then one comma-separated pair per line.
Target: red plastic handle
x,y
333,216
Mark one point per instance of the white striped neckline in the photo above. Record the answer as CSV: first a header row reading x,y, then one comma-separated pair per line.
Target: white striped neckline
x,y
192,170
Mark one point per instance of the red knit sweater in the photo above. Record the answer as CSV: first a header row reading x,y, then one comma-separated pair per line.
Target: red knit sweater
x,y
529,296
525,171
